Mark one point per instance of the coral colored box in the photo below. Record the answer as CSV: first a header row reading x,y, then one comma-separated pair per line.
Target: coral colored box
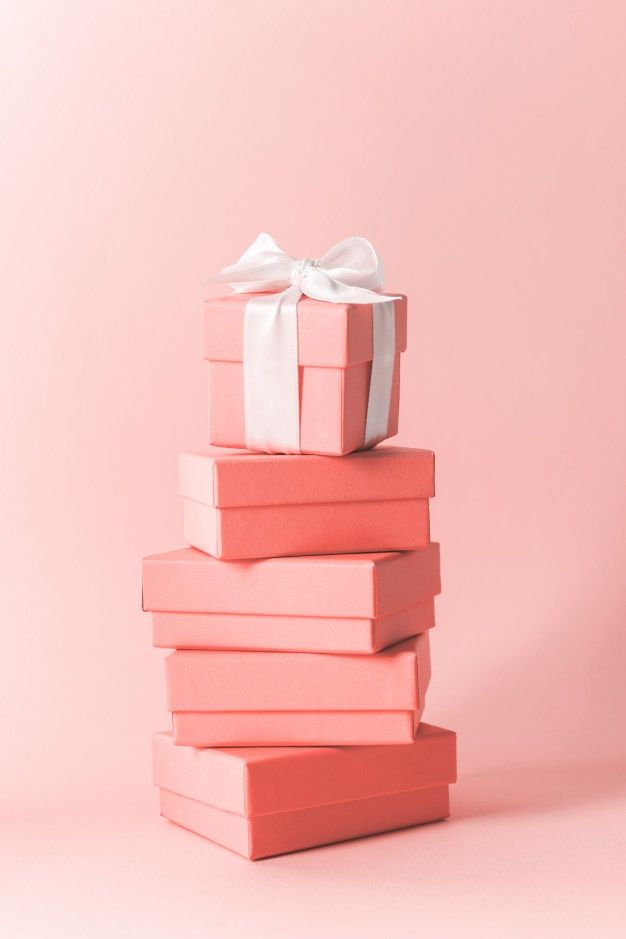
x,y
297,698
240,504
335,358
356,603
262,801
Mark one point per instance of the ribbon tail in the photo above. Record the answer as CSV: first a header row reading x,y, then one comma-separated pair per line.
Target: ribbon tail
x,y
270,372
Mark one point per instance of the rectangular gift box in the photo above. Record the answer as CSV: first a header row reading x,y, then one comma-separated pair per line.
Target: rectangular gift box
x,y
335,348
355,603
240,504
261,801
297,698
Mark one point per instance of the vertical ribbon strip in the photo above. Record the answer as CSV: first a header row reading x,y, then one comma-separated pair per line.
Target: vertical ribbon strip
x,y
381,380
270,372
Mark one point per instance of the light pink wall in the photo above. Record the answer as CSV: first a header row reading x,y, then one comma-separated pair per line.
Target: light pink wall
x,y
482,148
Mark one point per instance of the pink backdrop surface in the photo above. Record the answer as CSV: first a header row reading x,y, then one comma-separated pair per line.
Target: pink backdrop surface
x,y
482,147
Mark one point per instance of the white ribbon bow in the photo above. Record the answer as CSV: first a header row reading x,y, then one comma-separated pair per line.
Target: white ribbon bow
x,y
351,272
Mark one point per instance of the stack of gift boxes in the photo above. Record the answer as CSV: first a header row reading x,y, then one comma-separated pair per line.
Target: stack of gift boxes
x,y
300,610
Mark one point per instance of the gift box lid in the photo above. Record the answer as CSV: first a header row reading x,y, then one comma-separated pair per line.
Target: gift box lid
x,y
254,781
236,478
394,679
330,335
337,585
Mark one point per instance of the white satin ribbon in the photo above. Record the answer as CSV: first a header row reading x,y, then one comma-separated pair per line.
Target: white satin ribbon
x,y
351,272
381,379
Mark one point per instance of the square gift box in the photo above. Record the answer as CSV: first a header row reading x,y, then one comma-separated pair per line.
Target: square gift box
x,y
221,699
240,504
335,348
351,603
262,801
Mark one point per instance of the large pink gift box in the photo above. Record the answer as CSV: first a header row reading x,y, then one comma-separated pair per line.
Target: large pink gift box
x,y
297,698
264,801
240,504
358,603
335,359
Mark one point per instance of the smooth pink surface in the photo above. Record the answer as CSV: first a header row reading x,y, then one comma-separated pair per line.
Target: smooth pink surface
x,y
296,728
234,478
358,603
226,699
341,585
481,147
242,505
260,802
232,698
268,531
299,681
268,835
289,633
260,780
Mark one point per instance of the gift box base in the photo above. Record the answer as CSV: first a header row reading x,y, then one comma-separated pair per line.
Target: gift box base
x,y
333,407
347,635
268,835
250,532
293,728
260,801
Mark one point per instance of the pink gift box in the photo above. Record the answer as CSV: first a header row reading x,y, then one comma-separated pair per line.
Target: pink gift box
x,y
358,603
264,801
297,698
335,359
240,504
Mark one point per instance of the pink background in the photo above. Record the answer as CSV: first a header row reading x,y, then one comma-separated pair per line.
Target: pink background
x,y
482,147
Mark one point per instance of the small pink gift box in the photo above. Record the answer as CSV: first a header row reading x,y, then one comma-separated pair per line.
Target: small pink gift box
x,y
355,603
297,698
240,504
264,801
335,349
